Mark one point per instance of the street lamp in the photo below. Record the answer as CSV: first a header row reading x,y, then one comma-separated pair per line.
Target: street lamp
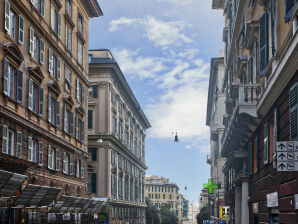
x,y
99,140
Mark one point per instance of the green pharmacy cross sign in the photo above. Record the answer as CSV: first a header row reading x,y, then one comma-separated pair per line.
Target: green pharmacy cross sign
x,y
210,186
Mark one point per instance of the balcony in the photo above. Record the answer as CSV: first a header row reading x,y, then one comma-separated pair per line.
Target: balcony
x,y
241,117
209,160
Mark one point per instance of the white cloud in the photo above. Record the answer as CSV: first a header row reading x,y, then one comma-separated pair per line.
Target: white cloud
x,y
177,2
161,33
115,24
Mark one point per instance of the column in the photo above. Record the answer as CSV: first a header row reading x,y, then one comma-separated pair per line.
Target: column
x,y
238,204
244,202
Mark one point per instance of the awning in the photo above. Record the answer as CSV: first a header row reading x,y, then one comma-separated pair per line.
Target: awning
x,y
35,195
76,204
10,183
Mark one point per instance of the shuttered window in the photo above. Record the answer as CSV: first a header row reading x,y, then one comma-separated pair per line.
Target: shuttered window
x,y
70,165
21,30
57,160
7,17
40,153
20,86
263,35
289,8
30,94
41,52
40,103
19,144
266,142
30,149
293,101
58,74
4,139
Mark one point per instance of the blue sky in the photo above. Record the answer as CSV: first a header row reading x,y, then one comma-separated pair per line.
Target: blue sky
x,y
164,49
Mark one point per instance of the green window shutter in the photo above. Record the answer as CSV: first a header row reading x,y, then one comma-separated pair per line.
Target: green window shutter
x,y
289,8
93,181
19,144
263,34
266,142
21,30
31,40
41,53
58,68
20,86
293,100
42,8
6,16
4,138
59,25
5,76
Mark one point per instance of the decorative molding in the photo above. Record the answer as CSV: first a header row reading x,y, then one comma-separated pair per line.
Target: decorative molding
x,y
12,51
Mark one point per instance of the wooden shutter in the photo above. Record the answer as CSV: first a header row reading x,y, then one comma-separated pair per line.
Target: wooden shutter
x,y
59,26
19,144
83,94
30,94
58,68
7,17
5,76
40,153
57,113
70,165
289,8
40,102
50,61
64,165
263,34
82,131
53,14
21,29
20,86
77,127
65,124
293,100
42,8
57,163
50,157
71,123
30,149
4,139
50,108
266,142
41,52
31,40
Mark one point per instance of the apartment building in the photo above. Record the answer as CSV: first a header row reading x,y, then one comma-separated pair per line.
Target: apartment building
x,y
214,119
161,192
260,87
116,134
43,100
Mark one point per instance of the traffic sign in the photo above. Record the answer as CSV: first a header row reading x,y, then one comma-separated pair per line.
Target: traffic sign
x,y
287,156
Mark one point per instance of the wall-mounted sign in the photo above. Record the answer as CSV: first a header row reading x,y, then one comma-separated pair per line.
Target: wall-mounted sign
x,y
255,208
272,200
287,156
224,213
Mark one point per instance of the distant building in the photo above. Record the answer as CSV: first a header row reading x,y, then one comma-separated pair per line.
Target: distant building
x,y
203,200
215,112
117,166
192,213
163,192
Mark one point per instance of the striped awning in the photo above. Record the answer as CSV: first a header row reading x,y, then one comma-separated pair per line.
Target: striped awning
x,y
10,183
35,195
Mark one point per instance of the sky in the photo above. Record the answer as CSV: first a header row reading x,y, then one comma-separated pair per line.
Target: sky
x,y
164,48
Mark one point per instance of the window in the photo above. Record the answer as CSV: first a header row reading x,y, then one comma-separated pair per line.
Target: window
x,y
39,6
289,8
65,163
293,109
12,27
68,38
55,21
91,183
51,157
92,91
80,134
113,158
80,92
67,80
10,142
68,7
34,151
120,130
35,97
90,119
93,153
263,48
53,111
80,53
54,65
40,153
68,121
114,125
80,23
126,136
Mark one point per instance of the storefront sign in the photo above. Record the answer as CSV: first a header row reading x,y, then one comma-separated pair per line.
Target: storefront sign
x,y
272,200
255,208
224,213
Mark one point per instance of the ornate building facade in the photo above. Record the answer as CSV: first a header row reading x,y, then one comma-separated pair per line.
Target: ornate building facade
x,y
116,134
260,87
43,103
